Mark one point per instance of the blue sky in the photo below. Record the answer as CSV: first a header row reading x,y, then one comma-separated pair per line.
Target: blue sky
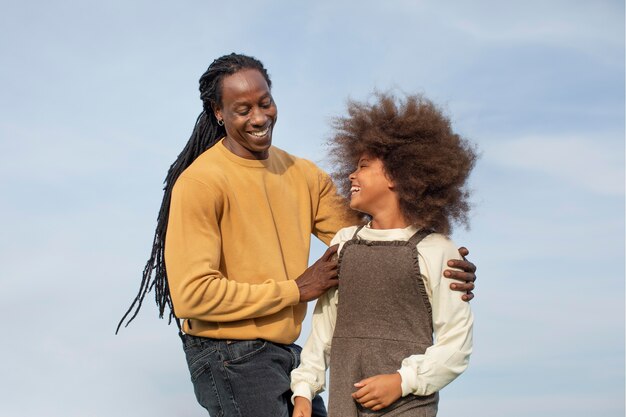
x,y
98,98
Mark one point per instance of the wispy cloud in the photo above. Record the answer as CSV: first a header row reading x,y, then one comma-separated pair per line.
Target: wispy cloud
x,y
594,163
555,22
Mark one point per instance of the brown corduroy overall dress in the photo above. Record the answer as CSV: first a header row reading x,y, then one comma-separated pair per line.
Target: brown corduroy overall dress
x,y
383,317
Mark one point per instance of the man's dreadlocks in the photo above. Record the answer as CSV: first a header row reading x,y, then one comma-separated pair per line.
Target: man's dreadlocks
x,y
205,134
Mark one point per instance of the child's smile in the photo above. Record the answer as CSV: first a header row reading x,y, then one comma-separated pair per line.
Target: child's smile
x,y
370,186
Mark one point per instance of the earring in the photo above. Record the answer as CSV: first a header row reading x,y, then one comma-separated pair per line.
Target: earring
x,y
220,122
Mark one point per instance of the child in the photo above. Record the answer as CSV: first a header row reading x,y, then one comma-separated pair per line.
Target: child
x,y
409,182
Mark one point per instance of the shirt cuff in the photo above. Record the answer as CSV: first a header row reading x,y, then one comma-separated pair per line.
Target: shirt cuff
x,y
302,389
407,374
291,291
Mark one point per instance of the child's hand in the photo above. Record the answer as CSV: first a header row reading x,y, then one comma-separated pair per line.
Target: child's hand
x,y
302,407
378,391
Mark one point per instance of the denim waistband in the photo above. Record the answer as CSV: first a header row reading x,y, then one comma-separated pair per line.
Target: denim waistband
x,y
189,339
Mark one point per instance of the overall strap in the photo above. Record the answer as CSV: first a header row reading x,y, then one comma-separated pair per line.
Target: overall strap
x,y
358,229
419,235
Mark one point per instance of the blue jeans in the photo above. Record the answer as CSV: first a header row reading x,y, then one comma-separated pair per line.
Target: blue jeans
x,y
243,378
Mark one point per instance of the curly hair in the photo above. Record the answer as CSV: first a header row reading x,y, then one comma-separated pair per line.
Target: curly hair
x,y
428,163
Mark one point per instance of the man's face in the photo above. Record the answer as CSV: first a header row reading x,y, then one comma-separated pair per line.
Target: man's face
x,y
249,114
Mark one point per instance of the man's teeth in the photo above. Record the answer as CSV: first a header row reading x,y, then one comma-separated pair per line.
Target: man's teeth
x,y
355,190
261,133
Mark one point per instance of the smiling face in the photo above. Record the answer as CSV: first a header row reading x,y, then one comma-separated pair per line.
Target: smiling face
x,y
371,189
249,114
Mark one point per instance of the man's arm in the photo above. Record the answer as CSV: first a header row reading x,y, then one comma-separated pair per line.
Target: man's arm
x,y
331,210
193,253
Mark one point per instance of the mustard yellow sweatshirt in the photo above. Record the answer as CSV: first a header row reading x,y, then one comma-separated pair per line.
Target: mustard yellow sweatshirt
x,y
239,235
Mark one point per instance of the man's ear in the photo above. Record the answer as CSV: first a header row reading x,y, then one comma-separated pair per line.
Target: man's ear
x,y
217,111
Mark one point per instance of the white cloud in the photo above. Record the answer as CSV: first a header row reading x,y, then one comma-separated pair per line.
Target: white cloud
x,y
595,164
555,22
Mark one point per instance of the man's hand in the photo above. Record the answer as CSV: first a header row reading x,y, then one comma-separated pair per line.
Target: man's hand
x,y
302,407
379,391
319,277
467,275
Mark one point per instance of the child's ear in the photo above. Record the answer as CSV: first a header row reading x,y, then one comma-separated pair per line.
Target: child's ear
x,y
390,182
391,185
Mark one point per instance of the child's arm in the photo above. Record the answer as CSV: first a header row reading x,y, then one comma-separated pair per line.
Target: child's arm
x,y
302,407
309,378
424,374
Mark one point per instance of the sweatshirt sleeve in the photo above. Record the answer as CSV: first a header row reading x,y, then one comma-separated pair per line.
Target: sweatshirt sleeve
x,y
309,378
192,257
332,211
426,373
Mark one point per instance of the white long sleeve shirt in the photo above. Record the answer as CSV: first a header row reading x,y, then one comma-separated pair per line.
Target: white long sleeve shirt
x,y
422,374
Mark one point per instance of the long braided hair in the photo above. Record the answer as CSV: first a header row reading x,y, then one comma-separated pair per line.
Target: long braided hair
x,y
206,133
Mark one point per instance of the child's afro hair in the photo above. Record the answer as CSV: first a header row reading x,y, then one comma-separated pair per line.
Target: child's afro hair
x,y
427,161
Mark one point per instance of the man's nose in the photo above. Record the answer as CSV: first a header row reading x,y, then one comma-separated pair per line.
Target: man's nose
x,y
258,118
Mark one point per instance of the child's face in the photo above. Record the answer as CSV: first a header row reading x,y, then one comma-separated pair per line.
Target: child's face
x,y
371,190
